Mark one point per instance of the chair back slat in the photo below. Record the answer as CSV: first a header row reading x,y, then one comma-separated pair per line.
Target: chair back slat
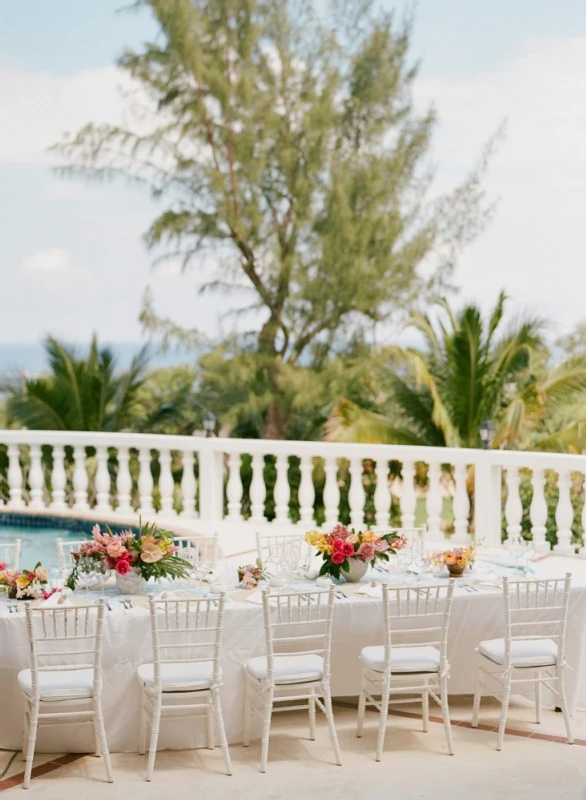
x,y
268,543
404,611
10,554
64,551
298,623
536,609
192,627
206,547
63,638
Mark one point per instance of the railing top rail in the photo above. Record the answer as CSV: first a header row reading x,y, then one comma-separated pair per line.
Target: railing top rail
x,y
438,455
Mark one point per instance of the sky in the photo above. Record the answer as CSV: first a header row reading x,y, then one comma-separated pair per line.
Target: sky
x,y
72,260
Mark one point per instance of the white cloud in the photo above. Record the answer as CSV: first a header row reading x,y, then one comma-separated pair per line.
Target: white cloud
x,y
48,261
535,247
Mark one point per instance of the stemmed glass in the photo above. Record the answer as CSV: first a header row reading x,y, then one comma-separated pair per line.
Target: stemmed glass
x,y
516,547
200,568
85,572
290,557
405,558
528,556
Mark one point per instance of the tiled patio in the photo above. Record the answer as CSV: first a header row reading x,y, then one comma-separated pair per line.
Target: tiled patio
x,y
535,763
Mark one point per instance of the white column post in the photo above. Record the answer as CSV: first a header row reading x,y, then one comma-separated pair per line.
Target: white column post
x,y
145,481
282,490
331,492
123,482
306,491
356,494
36,478
435,502
564,515
257,490
513,506
188,485
461,505
487,500
211,481
58,478
166,484
14,477
408,498
80,479
538,512
382,494
102,481
234,488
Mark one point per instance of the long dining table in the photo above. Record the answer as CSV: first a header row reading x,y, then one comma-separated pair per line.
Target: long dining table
x,y
477,614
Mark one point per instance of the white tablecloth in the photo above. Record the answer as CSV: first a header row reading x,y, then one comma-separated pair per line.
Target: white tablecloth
x,y
357,623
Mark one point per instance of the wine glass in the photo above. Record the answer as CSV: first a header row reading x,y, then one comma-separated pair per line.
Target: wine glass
x,y
85,572
528,556
290,556
200,568
405,558
516,547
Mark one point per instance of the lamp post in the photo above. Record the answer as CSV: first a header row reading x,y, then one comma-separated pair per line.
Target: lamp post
x,y
486,431
209,423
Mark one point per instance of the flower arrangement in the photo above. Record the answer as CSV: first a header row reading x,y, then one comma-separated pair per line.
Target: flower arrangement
x,y
251,574
457,559
343,544
149,553
25,584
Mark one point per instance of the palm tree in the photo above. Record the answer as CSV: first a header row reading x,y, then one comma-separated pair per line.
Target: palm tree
x,y
469,371
80,393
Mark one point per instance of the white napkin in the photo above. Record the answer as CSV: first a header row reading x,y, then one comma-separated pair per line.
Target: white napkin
x,y
211,577
55,600
255,597
168,596
371,591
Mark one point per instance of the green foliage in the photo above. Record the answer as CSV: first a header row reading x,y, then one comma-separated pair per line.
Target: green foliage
x,y
80,393
287,145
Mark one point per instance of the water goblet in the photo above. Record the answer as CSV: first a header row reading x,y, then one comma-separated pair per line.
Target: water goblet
x,y
516,547
405,558
291,554
200,568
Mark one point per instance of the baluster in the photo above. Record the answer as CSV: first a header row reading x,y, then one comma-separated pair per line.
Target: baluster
x,y
331,492
257,489
408,499
102,481
58,478
36,477
434,502
582,551
282,490
234,488
538,512
14,477
382,493
188,485
513,506
461,505
80,479
306,491
356,494
564,515
166,484
124,482
145,481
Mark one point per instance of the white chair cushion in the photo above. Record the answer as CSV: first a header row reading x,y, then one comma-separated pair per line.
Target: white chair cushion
x,y
288,669
403,659
58,686
528,653
192,676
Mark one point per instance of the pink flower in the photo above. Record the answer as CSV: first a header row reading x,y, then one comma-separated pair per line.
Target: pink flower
x,y
338,557
338,545
116,549
3,566
340,531
123,567
366,551
347,549
381,546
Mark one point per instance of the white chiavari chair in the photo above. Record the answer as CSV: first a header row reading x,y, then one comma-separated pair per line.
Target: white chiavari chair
x,y
10,554
413,660
268,544
298,634
206,547
187,639
64,550
532,651
64,683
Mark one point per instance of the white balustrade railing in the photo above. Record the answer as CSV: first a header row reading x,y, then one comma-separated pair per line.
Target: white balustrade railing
x,y
305,484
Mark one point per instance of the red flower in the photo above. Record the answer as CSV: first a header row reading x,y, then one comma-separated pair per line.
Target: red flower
x,y
338,557
348,549
3,566
338,545
31,576
123,567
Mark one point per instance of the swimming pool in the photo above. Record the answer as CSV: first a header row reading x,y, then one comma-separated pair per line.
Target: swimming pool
x,y
39,533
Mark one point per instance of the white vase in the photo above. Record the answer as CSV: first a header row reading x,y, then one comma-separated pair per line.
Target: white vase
x,y
131,583
357,571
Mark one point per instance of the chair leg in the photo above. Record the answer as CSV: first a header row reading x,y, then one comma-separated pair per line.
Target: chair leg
x,y
266,727
361,706
210,727
384,712
425,708
331,723
25,729
477,697
155,725
221,730
564,704
538,696
247,714
446,714
101,737
311,707
30,746
143,726
504,709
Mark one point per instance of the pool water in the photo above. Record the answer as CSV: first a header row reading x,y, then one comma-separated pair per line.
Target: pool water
x,y
38,544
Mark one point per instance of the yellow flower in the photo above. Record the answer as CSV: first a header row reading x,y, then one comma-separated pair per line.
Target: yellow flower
x,y
353,538
369,536
22,581
148,539
151,553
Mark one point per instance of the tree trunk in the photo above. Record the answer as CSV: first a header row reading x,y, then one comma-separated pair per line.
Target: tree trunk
x,y
277,421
